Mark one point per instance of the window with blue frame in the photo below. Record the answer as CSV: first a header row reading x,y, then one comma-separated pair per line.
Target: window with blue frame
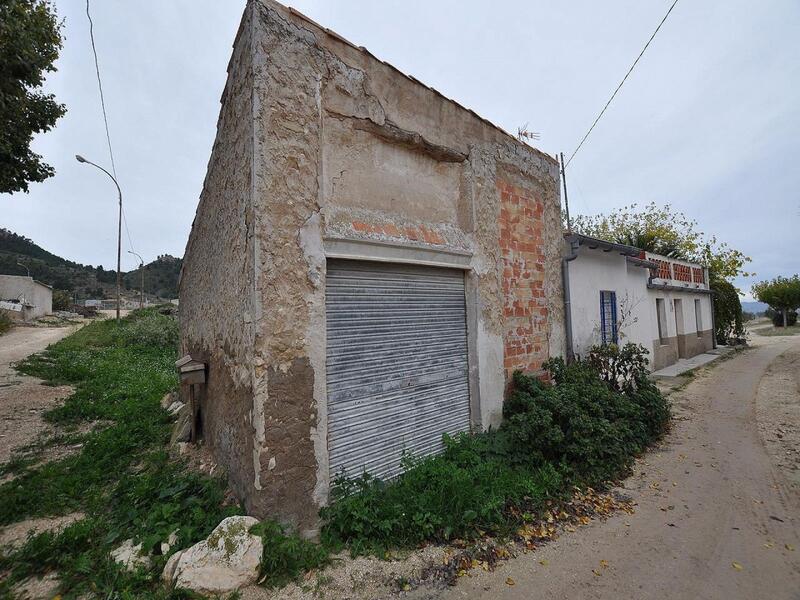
x,y
608,317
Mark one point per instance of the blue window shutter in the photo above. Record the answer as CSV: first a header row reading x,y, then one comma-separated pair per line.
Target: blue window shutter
x,y
614,317
602,318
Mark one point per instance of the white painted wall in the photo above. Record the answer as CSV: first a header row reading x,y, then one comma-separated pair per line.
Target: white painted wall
x,y
28,291
595,270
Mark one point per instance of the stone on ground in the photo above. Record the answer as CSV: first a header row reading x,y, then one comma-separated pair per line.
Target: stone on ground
x,y
225,561
130,556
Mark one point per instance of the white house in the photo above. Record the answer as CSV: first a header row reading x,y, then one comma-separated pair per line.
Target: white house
x,y
24,297
617,293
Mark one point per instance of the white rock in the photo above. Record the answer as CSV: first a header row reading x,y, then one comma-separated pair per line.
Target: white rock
x,y
130,556
169,569
171,540
225,561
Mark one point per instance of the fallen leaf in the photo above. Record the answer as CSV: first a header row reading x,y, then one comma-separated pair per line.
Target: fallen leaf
x,y
596,572
604,564
406,587
737,566
768,545
544,562
789,547
510,581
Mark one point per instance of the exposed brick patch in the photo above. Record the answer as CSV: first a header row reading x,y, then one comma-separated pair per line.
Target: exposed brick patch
x,y
523,255
415,234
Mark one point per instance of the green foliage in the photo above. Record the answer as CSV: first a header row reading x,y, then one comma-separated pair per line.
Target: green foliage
x,y
30,40
61,300
122,478
148,327
5,323
160,277
782,294
728,316
286,556
578,431
791,319
620,367
663,230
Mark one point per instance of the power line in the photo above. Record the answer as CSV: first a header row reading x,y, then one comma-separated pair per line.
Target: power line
x,y
105,116
602,112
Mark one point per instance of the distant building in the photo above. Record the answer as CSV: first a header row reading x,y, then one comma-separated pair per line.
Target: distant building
x,y
618,294
24,298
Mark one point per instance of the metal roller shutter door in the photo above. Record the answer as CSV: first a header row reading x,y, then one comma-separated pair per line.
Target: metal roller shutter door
x,y
397,372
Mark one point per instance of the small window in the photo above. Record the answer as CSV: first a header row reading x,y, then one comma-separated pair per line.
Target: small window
x,y
608,317
661,317
698,317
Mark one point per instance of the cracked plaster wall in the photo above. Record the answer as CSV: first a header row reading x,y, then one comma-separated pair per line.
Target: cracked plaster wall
x,y
343,147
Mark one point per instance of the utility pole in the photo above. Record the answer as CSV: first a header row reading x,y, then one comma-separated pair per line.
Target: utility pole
x,y
80,159
566,199
141,268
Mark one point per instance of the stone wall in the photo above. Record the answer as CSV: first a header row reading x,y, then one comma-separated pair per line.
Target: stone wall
x,y
218,305
344,148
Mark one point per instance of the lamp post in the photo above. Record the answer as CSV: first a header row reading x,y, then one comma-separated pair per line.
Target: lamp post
x,y
80,159
141,268
24,267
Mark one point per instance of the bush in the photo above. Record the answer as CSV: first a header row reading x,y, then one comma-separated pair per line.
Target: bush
x,y
285,555
61,300
777,318
727,310
582,430
148,327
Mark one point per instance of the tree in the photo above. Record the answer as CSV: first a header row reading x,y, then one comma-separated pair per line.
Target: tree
x,y
662,230
62,300
782,294
728,316
30,40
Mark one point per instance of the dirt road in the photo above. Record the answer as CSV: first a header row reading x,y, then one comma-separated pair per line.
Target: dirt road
x,y
715,519
23,399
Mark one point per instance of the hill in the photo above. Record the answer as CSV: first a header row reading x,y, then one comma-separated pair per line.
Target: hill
x,y
84,281
754,307
160,277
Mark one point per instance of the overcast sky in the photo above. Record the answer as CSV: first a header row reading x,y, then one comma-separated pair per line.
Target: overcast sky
x,y
709,121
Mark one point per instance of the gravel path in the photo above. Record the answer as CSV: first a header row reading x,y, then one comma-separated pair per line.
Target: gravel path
x,y
716,519
23,399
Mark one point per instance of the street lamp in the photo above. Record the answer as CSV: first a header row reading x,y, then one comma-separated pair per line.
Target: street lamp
x,y
141,268
24,267
80,159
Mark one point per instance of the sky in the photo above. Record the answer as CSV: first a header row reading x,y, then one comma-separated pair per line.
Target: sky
x,y
708,122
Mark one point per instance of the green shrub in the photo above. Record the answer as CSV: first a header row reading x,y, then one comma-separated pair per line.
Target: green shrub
x,y
581,430
148,327
286,556
777,318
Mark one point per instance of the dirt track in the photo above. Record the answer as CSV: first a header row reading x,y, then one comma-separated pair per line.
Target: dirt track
x,y
23,399
715,518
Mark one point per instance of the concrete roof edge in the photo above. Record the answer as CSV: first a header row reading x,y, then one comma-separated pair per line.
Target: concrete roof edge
x,y
296,13
591,242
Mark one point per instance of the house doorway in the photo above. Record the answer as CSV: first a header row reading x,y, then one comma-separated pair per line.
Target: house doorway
x,y
679,328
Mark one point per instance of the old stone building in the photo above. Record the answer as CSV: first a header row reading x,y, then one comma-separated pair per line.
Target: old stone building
x,y
369,263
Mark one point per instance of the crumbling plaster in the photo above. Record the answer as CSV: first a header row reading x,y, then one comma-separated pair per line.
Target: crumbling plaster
x,y
344,147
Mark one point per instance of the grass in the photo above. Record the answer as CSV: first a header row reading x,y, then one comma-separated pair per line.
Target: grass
x,y
778,331
580,431
122,478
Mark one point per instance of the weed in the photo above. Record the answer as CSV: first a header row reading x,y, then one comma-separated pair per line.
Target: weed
x,y
286,556
581,430
121,478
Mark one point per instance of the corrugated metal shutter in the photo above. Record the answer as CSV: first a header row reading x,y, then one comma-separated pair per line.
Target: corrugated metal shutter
x,y
396,363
